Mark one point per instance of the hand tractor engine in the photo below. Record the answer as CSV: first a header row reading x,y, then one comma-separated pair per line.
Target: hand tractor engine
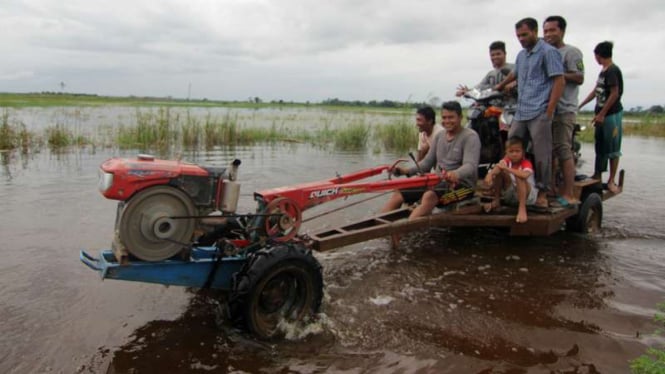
x,y
162,202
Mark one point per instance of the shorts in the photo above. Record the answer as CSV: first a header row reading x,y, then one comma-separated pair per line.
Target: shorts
x,y
539,129
608,141
443,191
563,126
509,196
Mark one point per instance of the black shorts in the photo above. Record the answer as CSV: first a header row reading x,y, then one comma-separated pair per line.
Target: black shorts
x,y
443,191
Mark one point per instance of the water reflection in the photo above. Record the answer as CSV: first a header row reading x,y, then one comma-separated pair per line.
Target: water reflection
x,y
5,159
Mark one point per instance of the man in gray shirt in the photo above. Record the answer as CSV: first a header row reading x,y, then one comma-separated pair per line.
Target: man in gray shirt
x,y
455,152
500,70
563,123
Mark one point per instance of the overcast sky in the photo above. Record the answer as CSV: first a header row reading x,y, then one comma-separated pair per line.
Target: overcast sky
x,y
306,49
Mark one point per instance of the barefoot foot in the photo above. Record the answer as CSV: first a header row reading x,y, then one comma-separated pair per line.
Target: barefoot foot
x,y
612,187
491,206
521,215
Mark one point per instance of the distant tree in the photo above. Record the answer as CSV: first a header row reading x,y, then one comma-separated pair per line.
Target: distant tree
x,y
62,86
656,109
257,100
434,101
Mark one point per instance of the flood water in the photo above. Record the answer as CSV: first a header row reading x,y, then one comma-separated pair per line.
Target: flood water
x,y
462,301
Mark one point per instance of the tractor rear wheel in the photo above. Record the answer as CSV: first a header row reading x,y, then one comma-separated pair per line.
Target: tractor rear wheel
x,y
280,283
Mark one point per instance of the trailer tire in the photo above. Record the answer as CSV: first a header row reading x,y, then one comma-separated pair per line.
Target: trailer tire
x,y
590,216
283,282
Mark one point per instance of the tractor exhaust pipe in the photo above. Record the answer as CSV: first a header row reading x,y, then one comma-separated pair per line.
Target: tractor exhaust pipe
x,y
231,191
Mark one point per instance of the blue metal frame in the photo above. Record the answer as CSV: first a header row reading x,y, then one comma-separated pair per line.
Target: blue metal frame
x,y
175,272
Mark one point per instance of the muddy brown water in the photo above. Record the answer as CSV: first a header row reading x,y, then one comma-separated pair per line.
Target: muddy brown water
x,y
462,301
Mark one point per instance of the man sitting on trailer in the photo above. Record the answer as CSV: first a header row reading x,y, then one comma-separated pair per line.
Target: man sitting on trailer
x,y
455,153
427,129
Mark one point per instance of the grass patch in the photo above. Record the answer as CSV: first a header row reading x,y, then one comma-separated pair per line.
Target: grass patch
x,y
15,135
8,137
353,137
59,137
153,130
634,124
398,136
653,361
191,132
158,130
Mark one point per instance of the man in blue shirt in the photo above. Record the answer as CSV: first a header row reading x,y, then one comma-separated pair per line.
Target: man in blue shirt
x,y
540,82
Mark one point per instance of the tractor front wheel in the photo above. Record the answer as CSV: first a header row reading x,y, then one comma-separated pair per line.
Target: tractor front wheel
x,y
280,283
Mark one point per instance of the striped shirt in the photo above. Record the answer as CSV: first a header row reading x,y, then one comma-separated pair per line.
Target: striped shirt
x,y
534,70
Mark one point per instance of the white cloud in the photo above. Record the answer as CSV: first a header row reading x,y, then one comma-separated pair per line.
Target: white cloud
x,y
304,50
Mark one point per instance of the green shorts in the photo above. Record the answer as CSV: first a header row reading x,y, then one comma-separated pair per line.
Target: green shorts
x,y
608,141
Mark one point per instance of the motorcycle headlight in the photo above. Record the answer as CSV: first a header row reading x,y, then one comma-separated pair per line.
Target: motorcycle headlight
x,y
105,181
506,118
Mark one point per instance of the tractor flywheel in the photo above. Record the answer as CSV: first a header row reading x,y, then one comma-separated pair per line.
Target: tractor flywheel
x,y
147,227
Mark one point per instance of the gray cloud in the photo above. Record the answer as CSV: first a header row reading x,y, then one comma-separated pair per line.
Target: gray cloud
x,y
303,50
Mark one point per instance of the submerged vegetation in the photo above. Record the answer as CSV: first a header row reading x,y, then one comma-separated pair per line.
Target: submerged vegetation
x,y
636,124
653,361
352,137
14,135
160,129
159,124
164,128
397,134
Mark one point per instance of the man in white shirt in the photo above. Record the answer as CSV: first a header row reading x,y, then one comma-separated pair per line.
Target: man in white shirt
x,y
427,128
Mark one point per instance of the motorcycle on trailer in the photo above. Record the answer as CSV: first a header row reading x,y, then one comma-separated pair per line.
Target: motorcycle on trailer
x,y
489,117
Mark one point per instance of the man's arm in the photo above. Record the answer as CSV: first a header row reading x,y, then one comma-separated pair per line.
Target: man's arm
x,y
574,67
428,162
588,98
470,159
422,153
614,96
574,77
557,89
509,79
483,84
423,147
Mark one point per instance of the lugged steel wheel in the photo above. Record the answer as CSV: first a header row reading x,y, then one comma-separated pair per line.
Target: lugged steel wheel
x,y
146,228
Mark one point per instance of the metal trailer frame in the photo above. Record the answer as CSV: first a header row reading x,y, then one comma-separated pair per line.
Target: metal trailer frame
x,y
208,267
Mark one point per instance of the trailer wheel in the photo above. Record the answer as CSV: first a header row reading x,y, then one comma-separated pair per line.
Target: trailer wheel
x,y
283,282
590,216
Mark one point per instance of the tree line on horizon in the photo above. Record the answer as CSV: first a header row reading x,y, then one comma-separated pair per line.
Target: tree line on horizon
x,y
433,102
